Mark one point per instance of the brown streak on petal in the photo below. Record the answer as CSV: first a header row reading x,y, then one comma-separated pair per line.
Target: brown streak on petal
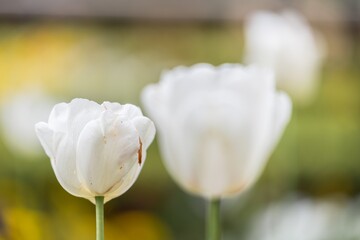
x,y
140,152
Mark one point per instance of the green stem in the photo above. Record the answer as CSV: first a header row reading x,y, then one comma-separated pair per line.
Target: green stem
x,y
213,220
99,217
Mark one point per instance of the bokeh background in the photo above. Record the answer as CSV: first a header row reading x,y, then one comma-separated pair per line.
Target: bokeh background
x,y
53,51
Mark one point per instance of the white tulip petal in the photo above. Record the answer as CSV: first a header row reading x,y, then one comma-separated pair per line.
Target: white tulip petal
x,y
282,115
59,116
68,120
64,165
154,95
202,174
107,149
187,82
126,182
213,124
193,73
146,130
114,107
131,111
74,116
53,144
81,111
45,135
126,111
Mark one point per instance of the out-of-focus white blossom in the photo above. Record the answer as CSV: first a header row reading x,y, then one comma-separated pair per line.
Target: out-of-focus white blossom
x,y
286,43
18,117
302,219
217,125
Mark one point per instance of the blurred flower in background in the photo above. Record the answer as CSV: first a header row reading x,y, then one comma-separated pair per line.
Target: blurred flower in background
x,y
19,113
302,219
307,219
220,121
348,223
286,43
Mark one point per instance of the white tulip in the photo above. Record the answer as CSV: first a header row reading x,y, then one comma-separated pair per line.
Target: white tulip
x,y
18,116
217,125
286,43
96,150
303,219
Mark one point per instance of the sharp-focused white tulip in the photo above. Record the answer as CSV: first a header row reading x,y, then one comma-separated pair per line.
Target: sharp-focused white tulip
x,y
96,150
18,116
217,125
286,43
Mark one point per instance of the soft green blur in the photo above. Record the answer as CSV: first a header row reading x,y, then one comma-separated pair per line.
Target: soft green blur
x,y
317,157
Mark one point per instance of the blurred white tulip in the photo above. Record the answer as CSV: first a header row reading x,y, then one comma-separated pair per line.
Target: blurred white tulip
x,y
96,150
18,116
217,125
347,226
303,219
286,43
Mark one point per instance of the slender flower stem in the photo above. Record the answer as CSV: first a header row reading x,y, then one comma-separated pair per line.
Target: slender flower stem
x,y
99,217
213,220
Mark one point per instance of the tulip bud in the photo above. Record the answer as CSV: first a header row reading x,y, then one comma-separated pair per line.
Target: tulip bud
x,y
217,125
96,150
286,43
